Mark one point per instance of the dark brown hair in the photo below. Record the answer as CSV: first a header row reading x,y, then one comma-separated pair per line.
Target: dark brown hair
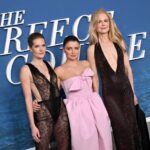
x,y
70,38
34,36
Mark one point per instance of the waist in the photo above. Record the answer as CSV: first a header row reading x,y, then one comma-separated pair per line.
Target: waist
x,y
79,94
43,101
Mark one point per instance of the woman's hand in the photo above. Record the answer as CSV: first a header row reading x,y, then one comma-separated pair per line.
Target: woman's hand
x,y
35,106
36,134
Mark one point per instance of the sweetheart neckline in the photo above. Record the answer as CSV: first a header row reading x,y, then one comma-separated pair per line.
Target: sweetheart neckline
x,y
76,76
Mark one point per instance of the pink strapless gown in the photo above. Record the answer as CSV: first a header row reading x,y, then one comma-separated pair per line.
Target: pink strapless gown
x,y
89,121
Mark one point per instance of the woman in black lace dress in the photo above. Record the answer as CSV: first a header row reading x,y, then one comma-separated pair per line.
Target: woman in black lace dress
x,y
39,80
108,57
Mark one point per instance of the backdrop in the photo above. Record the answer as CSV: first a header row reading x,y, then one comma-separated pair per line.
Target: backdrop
x,y
57,19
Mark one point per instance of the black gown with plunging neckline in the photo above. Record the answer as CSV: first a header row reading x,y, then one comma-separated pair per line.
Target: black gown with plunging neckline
x,y
52,118
119,100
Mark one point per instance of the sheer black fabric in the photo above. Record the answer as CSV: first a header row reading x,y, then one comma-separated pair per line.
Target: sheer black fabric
x,y
119,100
52,117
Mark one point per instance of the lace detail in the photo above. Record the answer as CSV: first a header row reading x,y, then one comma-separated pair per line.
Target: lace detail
x,y
60,130
52,117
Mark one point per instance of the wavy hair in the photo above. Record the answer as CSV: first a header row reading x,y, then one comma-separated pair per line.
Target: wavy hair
x,y
114,34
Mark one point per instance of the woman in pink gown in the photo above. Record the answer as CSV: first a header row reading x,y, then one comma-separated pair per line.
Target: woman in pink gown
x,y
89,121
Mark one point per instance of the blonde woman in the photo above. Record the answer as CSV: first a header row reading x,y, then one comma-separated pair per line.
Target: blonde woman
x,y
109,60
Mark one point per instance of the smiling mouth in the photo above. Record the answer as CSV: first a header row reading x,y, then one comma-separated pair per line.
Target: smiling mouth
x,y
103,28
73,55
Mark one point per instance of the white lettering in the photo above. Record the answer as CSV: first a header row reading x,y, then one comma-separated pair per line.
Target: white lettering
x,y
55,30
134,44
76,26
10,65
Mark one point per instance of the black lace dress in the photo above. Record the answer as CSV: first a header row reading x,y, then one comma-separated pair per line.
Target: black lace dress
x,y
52,117
119,100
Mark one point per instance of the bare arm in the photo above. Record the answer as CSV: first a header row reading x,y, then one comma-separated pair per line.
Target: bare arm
x,y
58,73
26,87
127,65
129,73
128,69
91,59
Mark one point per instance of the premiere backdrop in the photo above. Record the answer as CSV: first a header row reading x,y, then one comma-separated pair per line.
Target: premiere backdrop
x,y
57,19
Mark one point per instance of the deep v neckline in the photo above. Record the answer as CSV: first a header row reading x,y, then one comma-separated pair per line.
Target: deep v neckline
x,y
42,73
114,71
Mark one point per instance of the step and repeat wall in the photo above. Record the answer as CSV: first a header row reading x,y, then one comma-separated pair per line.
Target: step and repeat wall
x,y
57,19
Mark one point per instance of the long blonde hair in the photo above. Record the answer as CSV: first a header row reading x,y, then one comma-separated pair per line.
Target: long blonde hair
x,y
114,34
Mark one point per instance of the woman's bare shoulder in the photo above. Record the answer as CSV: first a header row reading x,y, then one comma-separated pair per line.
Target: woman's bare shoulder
x,y
91,47
59,70
24,69
25,73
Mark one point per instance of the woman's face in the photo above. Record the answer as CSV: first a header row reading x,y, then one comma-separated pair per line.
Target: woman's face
x,y
38,48
103,24
72,49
